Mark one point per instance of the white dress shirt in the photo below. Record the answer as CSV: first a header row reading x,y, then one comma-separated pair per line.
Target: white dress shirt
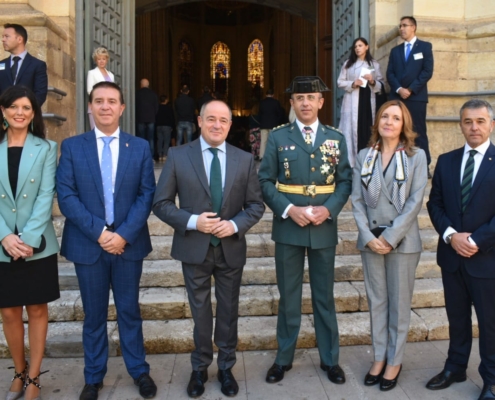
x,y
478,157
114,148
207,159
22,56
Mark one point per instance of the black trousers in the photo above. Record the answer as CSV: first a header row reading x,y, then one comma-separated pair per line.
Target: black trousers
x,y
227,286
418,115
461,292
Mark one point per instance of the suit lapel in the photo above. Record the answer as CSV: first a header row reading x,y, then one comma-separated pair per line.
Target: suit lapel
x,y
32,147
296,136
24,65
7,71
230,171
91,151
456,173
124,155
4,168
486,164
196,158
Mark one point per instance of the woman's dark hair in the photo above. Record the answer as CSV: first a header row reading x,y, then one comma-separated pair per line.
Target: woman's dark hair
x,y
16,92
353,57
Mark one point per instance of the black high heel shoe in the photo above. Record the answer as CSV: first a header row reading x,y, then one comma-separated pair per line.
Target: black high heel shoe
x,y
21,376
35,382
371,380
389,384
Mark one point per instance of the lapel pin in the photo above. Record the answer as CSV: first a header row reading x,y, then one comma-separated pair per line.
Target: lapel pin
x,y
127,145
490,159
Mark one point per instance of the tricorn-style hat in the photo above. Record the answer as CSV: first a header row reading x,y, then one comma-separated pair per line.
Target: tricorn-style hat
x,y
307,84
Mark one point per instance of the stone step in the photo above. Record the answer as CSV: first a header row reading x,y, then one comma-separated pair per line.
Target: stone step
x,y
255,333
346,223
257,271
254,300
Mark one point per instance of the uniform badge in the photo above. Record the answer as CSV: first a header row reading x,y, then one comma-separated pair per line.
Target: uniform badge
x,y
2,66
292,147
280,148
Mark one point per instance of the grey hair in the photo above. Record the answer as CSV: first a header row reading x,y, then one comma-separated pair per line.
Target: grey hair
x,y
101,51
203,107
476,104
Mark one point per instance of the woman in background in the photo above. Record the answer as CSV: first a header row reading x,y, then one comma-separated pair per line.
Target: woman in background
x,y
29,246
98,74
388,186
357,114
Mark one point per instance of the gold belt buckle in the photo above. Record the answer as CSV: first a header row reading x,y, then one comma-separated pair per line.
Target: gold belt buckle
x,y
309,190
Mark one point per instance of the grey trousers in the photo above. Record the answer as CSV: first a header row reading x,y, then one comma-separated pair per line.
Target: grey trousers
x,y
389,282
227,287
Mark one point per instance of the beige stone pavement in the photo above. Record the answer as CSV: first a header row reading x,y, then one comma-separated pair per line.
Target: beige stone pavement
x,y
304,382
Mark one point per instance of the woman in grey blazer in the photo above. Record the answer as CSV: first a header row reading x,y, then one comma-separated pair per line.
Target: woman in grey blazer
x,y
389,181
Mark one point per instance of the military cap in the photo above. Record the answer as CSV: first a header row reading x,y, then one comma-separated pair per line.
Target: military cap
x,y
307,84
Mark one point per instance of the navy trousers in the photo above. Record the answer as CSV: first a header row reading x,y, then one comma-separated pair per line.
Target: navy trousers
x,y
95,281
417,109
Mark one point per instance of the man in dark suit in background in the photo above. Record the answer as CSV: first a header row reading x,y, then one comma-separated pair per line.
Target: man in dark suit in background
x,y
220,200
410,67
185,108
21,68
146,110
105,186
462,210
271,115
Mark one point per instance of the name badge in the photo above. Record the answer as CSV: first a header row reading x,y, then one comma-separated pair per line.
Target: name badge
x,y
418,56
2,66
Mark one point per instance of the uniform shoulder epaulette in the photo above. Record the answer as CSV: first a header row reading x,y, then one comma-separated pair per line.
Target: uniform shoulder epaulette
x,y
280,127
335,129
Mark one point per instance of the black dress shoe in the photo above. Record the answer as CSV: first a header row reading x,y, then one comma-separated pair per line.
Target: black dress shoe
x,y
371,380
276,372
389,384
229,385
488,392
196,386
444,379
335,373
147,387
90,391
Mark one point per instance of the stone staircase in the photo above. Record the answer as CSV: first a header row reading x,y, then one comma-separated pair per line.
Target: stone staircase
x,y
167,318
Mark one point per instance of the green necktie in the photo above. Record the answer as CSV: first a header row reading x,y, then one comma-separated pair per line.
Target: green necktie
x,y
467,179
215,189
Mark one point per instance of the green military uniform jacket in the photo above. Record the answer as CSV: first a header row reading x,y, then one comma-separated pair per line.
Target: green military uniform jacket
x,y
287,150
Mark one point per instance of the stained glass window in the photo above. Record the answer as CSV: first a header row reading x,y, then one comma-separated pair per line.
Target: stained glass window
x,y
220,67
185,63
255,63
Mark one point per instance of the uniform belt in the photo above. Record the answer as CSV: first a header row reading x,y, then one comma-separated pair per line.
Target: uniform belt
x,y
306,190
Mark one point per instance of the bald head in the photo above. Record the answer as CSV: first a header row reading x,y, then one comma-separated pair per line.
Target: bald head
x,y
145,82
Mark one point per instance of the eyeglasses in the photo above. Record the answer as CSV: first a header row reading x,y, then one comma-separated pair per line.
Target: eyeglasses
x,y
404,26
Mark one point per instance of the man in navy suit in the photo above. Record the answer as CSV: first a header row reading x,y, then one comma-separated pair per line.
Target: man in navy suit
x,y
462,210
105,187
410,67
21,68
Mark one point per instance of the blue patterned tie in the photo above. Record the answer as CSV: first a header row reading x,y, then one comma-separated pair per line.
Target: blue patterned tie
x,y
467,179
106,177
408,50
215,189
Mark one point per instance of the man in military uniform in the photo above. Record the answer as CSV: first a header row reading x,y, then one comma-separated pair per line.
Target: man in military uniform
x,y
309,161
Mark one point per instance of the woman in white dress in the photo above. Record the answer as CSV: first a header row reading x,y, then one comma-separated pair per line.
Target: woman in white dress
x,y
359,103
98,74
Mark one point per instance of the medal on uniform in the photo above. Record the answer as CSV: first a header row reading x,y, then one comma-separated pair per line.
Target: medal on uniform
x,y
287,170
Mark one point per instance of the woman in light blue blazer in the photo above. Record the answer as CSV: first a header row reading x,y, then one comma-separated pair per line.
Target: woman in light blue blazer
x,y
388,185
28,252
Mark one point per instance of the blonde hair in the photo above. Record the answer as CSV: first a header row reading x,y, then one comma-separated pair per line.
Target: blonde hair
x,y
407,135
101,51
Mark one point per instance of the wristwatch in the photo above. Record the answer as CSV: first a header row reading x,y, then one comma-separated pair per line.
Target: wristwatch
x,y
448,238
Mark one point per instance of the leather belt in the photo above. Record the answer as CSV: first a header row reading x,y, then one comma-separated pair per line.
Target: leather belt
x,y
306,190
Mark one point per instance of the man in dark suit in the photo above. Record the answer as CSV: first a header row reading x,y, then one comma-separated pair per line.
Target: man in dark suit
x,y
220,200
105,187
271,115
462,210
21,68
309,162
146,110
410,67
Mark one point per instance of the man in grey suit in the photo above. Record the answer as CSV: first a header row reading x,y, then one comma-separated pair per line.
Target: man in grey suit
x,y
220,200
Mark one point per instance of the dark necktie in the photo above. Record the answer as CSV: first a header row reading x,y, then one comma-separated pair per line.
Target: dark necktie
x,y
467,179
14,67
308,131
215,189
